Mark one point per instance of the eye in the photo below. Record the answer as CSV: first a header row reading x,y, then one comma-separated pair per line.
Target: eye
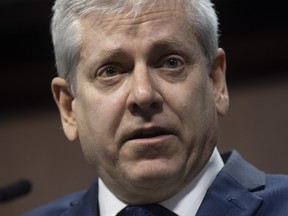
x,y
109,71
172,63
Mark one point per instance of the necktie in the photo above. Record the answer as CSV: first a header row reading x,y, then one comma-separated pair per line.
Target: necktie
x,y
145,210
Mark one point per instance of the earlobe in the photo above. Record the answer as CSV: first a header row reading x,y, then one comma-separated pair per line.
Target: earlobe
x,y
218,77
64,100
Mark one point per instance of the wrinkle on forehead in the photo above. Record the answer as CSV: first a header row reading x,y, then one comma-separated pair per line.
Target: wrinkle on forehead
x,y
127,20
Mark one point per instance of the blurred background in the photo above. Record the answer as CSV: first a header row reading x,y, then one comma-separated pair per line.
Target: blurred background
x,y
33,146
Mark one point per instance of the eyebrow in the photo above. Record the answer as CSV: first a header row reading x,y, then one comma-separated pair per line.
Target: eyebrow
x,y
112,53
172,42
165,44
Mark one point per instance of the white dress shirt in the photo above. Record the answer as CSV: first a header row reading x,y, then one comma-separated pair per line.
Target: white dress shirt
x,y
185,203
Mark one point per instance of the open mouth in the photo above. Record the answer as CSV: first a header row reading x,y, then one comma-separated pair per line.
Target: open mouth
x,y
146,134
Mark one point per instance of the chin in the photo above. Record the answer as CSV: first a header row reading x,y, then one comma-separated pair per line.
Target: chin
x,y
154,174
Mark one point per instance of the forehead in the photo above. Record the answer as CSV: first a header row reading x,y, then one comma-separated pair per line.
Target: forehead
x,y
159,25
133,21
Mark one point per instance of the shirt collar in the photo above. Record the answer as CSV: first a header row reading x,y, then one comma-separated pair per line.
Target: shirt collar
x,y
108,203
189,199
185,203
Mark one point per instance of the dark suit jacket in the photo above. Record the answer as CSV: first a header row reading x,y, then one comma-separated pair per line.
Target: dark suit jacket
x,y
238,190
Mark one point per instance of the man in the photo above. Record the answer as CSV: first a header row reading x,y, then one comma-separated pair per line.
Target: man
x,y
141,84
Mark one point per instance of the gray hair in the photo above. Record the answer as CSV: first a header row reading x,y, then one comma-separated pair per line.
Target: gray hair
x,y
66,28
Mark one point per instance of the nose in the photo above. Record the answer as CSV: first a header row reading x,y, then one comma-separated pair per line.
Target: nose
x,y
144,96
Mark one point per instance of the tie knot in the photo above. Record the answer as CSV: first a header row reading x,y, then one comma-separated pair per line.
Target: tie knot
x,y
145,210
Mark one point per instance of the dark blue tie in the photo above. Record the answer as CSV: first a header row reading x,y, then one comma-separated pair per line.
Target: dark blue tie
x,y
145,210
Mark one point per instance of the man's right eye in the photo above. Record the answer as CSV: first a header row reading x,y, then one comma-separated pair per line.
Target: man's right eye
x,y
109,71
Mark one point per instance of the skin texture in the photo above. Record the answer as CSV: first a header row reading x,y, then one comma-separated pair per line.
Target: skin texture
x,y
146,104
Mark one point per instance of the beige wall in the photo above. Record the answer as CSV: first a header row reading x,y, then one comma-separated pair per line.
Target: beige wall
x,y
33,145
257,125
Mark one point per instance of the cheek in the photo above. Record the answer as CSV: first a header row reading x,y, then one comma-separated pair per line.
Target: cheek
x,y
194,106
99,114
97,119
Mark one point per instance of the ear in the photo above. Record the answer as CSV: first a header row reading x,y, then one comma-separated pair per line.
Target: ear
x,y
64,100
218,78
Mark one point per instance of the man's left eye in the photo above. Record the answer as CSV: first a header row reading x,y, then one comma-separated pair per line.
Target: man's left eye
x,y
111,71
172,63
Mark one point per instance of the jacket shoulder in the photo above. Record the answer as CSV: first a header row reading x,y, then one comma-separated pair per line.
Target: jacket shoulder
x,y
57,207
275,195
271,189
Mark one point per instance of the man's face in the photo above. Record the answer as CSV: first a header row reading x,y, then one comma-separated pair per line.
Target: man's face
x,y
145,109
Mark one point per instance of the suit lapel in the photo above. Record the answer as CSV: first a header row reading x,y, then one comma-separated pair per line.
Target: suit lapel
x,y
88,205
227,197
232,191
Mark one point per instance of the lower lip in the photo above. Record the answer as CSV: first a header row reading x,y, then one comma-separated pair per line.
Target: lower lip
x,y
151,140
